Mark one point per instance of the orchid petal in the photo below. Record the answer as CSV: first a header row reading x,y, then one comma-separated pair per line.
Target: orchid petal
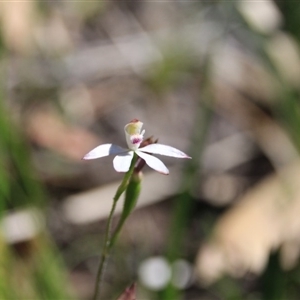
x,y
104,150
122,162
164,150
153,162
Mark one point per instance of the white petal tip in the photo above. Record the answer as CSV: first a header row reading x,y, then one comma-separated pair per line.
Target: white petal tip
x,y
183,155
87,157
163,173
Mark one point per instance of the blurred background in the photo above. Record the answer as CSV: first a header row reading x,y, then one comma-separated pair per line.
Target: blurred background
x,y
216,79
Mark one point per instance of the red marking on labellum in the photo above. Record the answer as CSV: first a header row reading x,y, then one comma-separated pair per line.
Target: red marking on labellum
x,y
134,121
136,140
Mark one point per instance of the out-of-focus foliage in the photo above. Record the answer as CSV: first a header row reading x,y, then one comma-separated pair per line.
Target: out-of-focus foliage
x,y
30,267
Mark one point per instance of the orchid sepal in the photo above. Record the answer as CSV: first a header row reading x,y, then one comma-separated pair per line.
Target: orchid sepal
x,y
164,150
104,150
153,162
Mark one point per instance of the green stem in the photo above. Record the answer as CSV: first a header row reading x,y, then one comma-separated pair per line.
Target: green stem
x,y
107,239
117,232
131,196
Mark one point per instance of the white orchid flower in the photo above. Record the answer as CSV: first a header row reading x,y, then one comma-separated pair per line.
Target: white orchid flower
x,y
134,138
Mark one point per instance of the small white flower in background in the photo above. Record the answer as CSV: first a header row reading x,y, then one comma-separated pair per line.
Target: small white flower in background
x,y
134,137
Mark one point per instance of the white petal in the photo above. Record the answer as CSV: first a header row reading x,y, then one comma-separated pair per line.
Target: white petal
x,y
122,162
153,162
164,150
104,150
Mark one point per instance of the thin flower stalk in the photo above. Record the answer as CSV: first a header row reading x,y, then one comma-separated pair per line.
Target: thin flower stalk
x,y
126,161
107,239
